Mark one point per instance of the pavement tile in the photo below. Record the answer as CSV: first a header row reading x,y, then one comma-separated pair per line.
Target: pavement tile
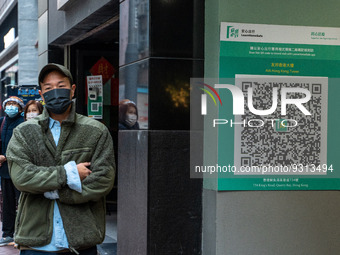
x,y
9,250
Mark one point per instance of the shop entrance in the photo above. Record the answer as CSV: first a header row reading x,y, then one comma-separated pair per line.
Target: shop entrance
x,y
95,63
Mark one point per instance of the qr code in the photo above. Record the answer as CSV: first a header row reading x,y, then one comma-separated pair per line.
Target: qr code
x,y
294,138
95,107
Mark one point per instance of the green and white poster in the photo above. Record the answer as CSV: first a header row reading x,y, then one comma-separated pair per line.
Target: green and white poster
x,y
95,96
277,122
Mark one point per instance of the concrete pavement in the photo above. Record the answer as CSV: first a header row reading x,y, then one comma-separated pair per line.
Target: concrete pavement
x,y
109,246
9,250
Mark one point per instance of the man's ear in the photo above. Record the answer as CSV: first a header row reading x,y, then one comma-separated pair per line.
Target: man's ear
x,y
73,90
40,93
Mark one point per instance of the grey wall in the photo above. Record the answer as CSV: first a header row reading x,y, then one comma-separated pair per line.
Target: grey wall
x,y
278,223
42,33
270,222
76,13
28,38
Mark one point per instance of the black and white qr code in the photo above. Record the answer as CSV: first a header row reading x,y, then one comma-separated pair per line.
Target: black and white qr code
x,y
277,139
95,107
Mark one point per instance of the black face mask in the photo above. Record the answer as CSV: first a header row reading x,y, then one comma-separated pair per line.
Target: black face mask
x,y
57,100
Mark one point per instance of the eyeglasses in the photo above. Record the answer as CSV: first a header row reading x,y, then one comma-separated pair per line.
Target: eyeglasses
x,y
12,103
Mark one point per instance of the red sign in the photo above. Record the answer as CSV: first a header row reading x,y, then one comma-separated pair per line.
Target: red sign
x,y
104,68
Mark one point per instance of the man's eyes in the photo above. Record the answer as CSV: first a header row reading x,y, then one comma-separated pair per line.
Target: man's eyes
x,y
59,86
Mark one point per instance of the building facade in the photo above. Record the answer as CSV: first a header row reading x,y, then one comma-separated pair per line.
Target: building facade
x,y
18,17
147,51
147,56
8,47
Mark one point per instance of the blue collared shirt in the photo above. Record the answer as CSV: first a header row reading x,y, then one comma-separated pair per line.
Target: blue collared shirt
x,y
59,239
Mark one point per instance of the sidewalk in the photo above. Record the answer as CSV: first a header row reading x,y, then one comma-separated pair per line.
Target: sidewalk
x,y
8,249
108,247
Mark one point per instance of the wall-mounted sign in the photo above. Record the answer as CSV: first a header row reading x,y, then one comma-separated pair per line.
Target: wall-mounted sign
x,y
27,93
276,118
103,68
95,97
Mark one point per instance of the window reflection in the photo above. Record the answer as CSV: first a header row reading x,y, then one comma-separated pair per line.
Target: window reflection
x,y
133,85
134,31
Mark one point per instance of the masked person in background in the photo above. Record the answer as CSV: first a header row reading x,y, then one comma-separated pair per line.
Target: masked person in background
x,y
13,107
32,109
64,165
128,115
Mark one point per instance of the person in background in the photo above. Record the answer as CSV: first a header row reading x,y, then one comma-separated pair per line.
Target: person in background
x,y
32,109
13,107
128,115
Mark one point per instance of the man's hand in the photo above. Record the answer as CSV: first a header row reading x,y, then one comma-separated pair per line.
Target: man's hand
x,y
2,159
83,170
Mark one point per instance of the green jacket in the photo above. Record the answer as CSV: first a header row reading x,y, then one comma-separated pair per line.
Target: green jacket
x,y
36,165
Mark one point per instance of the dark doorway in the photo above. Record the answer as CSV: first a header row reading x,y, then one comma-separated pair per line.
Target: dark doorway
x,y
86,56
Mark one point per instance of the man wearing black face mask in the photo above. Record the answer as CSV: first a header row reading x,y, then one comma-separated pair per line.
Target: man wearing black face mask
x,y
63,163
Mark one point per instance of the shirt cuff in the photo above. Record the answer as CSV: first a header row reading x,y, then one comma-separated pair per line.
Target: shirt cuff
x,y
73,179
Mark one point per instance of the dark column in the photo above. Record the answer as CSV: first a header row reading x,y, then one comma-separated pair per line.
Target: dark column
x,y
159,206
